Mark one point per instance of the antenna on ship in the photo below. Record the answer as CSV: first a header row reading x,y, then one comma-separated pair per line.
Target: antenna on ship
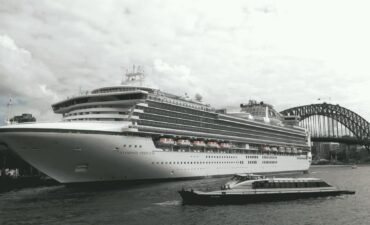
x,y
136,76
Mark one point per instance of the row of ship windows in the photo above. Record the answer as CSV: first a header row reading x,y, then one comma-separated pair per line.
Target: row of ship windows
x,y
179,109
227,157
96,119
217,162
217,130
96,112
203,122
269,157
134,146
96,107
269,162
109,90
178,115
232,151
180,103
288,184
236,122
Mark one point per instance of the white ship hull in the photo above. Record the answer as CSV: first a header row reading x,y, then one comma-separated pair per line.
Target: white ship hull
x,y
92,156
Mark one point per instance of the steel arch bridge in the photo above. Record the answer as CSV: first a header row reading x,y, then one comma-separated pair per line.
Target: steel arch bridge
x,y
328,122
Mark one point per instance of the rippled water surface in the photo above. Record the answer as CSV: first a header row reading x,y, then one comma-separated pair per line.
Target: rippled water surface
x,y
159,203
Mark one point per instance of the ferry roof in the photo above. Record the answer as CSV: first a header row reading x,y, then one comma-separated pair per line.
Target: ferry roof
x,y
245,175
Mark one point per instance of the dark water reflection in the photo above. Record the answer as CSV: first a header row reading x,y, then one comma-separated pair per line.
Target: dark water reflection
x,y
159,203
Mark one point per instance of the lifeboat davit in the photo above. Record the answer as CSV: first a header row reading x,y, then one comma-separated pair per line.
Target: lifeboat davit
x,y
198,143
213,144
281,149
166,141
183,142
225,145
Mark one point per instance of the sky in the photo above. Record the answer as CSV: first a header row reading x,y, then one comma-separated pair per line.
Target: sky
x,y
285,52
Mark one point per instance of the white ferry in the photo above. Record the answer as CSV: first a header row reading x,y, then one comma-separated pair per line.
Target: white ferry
x,y
250,188
132,132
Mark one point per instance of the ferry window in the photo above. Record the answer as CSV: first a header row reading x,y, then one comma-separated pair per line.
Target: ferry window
x,y
135,146
129,146
124,146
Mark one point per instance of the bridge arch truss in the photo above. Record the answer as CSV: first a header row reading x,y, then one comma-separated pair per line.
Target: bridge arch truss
x,y
338,115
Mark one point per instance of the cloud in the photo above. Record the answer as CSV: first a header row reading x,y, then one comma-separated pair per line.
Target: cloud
x,y
275,51
24,79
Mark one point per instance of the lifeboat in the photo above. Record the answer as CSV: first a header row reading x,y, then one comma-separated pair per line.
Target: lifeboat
x,y
299,151
274,149
166,141
213,144
294,150
183,142
281,149
288,150
198,143
225,145
266,148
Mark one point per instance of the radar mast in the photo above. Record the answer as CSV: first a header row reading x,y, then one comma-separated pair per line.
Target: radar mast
x,y
135,77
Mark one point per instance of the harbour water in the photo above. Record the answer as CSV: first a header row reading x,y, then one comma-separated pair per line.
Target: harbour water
x,y
159,203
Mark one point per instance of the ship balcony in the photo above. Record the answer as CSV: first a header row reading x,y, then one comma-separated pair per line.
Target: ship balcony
x,y
100,110
142,104
138,110
101,116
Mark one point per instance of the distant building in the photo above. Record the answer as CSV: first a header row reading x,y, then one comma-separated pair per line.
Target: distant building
x,y
324,150
24,118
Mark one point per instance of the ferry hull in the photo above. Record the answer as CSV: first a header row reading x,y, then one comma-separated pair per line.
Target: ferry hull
x,y
194,198
78,157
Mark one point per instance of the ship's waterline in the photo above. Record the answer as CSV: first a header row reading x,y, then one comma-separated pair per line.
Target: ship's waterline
x,y
71,157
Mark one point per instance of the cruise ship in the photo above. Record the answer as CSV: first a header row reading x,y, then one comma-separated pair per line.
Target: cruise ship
x,y
133,132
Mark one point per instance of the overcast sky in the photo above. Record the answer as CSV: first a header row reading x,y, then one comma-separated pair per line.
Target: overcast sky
x,y
286,53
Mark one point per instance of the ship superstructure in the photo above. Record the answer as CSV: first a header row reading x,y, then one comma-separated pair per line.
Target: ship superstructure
x,y
132,132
